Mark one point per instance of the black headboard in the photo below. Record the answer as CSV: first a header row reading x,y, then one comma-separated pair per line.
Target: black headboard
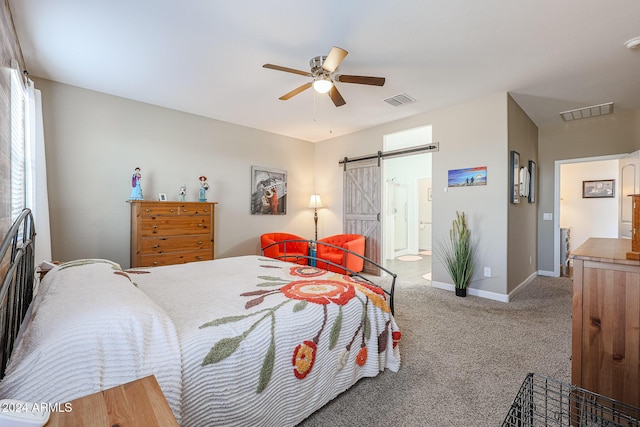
x,y
17,270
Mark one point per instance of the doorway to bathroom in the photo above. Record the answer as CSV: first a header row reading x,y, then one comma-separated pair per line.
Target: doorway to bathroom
x,y
407,207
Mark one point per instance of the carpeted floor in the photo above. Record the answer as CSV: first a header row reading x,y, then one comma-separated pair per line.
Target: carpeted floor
x,y
463,359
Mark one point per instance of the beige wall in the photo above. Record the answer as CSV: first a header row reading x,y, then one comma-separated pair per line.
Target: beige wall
x,y
522,244
599,136
470,134
94,142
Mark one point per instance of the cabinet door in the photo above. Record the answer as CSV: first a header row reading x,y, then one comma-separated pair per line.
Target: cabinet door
x,y
610,331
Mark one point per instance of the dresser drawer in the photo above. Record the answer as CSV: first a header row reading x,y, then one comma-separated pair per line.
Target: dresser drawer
x,y
175,244
194,209
175,258
175,225
164,208
159,209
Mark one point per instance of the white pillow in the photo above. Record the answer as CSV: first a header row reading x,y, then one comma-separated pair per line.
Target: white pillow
x,y
92,329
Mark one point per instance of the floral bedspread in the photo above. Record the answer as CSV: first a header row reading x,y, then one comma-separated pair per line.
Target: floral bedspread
x,y
265,342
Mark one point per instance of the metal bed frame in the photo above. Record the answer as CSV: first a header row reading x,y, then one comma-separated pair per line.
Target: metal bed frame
x,y
18,273
308,257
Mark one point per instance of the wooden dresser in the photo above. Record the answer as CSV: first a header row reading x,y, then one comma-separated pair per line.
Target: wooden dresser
x,y
164,233
606,320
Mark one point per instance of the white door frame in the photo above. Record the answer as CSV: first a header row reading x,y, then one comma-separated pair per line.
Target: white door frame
x,y
556,207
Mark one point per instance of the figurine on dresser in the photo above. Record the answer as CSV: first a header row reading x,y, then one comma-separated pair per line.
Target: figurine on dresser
x,y
203,188
136,191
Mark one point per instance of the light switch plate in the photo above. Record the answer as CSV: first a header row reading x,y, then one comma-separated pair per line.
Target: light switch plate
x,y
547,216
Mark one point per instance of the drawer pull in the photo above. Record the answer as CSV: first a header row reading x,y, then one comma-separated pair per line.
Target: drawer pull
x,y
155,226
199,225
155,246
147,210
171,210
200,242
199,258
184,210
155,262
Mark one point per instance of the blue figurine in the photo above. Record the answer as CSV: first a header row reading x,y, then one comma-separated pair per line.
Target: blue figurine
x,y
203,188
136,191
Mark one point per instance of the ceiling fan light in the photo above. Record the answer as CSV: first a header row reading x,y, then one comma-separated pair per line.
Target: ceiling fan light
x,y
322,85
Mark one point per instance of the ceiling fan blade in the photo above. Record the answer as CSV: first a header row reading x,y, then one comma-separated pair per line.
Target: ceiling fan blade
x,y
363,80
335,96
288,70
335,57
295,91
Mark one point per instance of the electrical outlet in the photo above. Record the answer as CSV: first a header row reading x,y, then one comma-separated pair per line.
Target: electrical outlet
x,y
487,272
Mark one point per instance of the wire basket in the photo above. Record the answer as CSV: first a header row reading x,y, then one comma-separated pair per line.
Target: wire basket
x,y
544,401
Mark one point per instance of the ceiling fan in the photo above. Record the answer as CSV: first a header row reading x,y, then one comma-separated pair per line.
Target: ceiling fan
x,y
323,73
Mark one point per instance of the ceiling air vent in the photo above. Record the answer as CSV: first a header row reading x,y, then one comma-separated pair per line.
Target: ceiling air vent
x,y
399,99
586,112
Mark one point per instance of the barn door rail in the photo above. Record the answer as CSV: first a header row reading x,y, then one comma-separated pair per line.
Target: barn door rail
x,y
427,148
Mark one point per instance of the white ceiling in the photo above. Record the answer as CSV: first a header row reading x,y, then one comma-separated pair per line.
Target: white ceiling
x,y
205,56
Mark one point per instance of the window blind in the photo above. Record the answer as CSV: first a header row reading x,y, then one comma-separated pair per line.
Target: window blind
x,y
18,175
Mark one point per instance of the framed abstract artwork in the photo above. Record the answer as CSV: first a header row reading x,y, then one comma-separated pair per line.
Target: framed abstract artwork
x,y
268,191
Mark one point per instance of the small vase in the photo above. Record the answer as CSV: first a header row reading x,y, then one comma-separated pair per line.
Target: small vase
x,y
461,292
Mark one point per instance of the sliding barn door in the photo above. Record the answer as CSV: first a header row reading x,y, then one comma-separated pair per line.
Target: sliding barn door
x,y
362,205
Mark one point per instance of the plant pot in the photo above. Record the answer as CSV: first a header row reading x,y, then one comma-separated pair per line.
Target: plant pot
x,y
461,292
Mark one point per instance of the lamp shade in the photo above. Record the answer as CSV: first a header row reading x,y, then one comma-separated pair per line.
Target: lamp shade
x,y
315,201
322,85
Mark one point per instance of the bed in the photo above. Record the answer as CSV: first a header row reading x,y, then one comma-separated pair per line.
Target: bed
x,y
246,340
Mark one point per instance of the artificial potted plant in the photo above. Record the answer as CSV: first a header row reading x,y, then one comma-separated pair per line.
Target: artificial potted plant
x,y
458,254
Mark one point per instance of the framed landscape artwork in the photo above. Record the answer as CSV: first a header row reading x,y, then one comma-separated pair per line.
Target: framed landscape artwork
x,y
467,177
598,189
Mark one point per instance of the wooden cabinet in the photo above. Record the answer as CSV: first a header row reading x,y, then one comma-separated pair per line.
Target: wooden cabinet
x,y
138,403
606,320
164,233
635,227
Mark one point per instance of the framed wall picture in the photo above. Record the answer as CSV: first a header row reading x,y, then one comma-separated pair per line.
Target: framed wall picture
x,y
598,189
467,177
268,191
533,174
514,177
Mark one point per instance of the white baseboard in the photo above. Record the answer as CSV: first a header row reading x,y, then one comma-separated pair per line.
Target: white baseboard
x,y
547,273
522,285
487,294
471,291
